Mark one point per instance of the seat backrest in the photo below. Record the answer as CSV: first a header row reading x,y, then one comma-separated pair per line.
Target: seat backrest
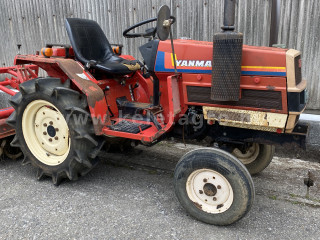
x,y
88,40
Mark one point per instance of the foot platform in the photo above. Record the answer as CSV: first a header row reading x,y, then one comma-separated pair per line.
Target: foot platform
x,y
129,127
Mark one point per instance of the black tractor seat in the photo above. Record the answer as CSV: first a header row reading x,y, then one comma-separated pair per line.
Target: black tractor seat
x,y
92,48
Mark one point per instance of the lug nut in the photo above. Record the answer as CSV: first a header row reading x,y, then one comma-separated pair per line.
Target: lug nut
x,y
200,191
50,139
44,133
219,187
43,113
56,138
45,125
57,129
205,180
214,199
58,119
51,123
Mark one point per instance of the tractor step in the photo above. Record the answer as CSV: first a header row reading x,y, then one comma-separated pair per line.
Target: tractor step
x,y
142,130
129,127
131,108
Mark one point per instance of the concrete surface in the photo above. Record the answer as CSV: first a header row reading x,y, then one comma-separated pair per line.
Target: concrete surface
x,y
312,153
312,111
131,196
310,117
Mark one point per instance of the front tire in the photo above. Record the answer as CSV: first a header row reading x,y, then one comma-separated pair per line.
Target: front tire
x,y
54,129
213,186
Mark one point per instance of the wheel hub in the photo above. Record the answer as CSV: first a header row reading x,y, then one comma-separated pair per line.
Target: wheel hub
x,y
249,155
209,190
51,131
46,132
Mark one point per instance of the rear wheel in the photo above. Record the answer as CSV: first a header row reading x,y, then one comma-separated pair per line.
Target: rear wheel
x,y
256,157
54,129
213,186
13,153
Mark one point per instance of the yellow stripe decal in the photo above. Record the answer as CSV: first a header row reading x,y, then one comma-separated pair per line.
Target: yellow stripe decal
x,y
263,67
172,58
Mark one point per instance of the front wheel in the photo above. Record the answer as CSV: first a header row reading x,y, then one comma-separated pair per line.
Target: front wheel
x,y
213,186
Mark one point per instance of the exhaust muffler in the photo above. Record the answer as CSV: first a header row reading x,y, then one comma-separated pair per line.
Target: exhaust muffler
x,y
227,57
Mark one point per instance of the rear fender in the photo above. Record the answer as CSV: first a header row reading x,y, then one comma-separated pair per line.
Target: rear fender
x,y
71,69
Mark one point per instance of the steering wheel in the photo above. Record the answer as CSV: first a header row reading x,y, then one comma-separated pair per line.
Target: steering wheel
x,y
164,21
148,33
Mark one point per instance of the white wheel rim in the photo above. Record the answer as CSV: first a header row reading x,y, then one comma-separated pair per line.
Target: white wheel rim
x,y
46,132
249,156
209,191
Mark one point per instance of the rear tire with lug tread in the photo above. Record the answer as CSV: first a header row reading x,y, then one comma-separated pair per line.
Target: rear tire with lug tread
x,y
213,186
256,158
54,129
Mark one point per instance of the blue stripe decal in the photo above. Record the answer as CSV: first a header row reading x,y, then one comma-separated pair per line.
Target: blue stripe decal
x,y
159,62
263,73
160,68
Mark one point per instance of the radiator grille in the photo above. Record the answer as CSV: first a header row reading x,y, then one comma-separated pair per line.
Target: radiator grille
x,y
249,98
297,66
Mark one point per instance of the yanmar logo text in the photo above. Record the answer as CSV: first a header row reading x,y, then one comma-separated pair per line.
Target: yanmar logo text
x,y
193,63
165,63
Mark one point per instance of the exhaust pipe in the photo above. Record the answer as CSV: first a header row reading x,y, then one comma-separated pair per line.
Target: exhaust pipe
x,y
229,14
227,57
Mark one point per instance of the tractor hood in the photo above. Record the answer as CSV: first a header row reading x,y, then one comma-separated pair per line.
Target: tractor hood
x,y
196,57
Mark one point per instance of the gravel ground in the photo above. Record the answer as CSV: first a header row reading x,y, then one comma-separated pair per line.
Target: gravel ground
x,y
131,196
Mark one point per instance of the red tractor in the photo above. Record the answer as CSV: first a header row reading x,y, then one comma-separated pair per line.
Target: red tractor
x,y
245,98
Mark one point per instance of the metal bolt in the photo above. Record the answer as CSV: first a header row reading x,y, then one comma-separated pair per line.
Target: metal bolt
x,y
56,138
50,139
58,119
206,200
43,113
219,187
213,177
200,191
45,125
205,180
44,133
214,199
57,129
51,123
